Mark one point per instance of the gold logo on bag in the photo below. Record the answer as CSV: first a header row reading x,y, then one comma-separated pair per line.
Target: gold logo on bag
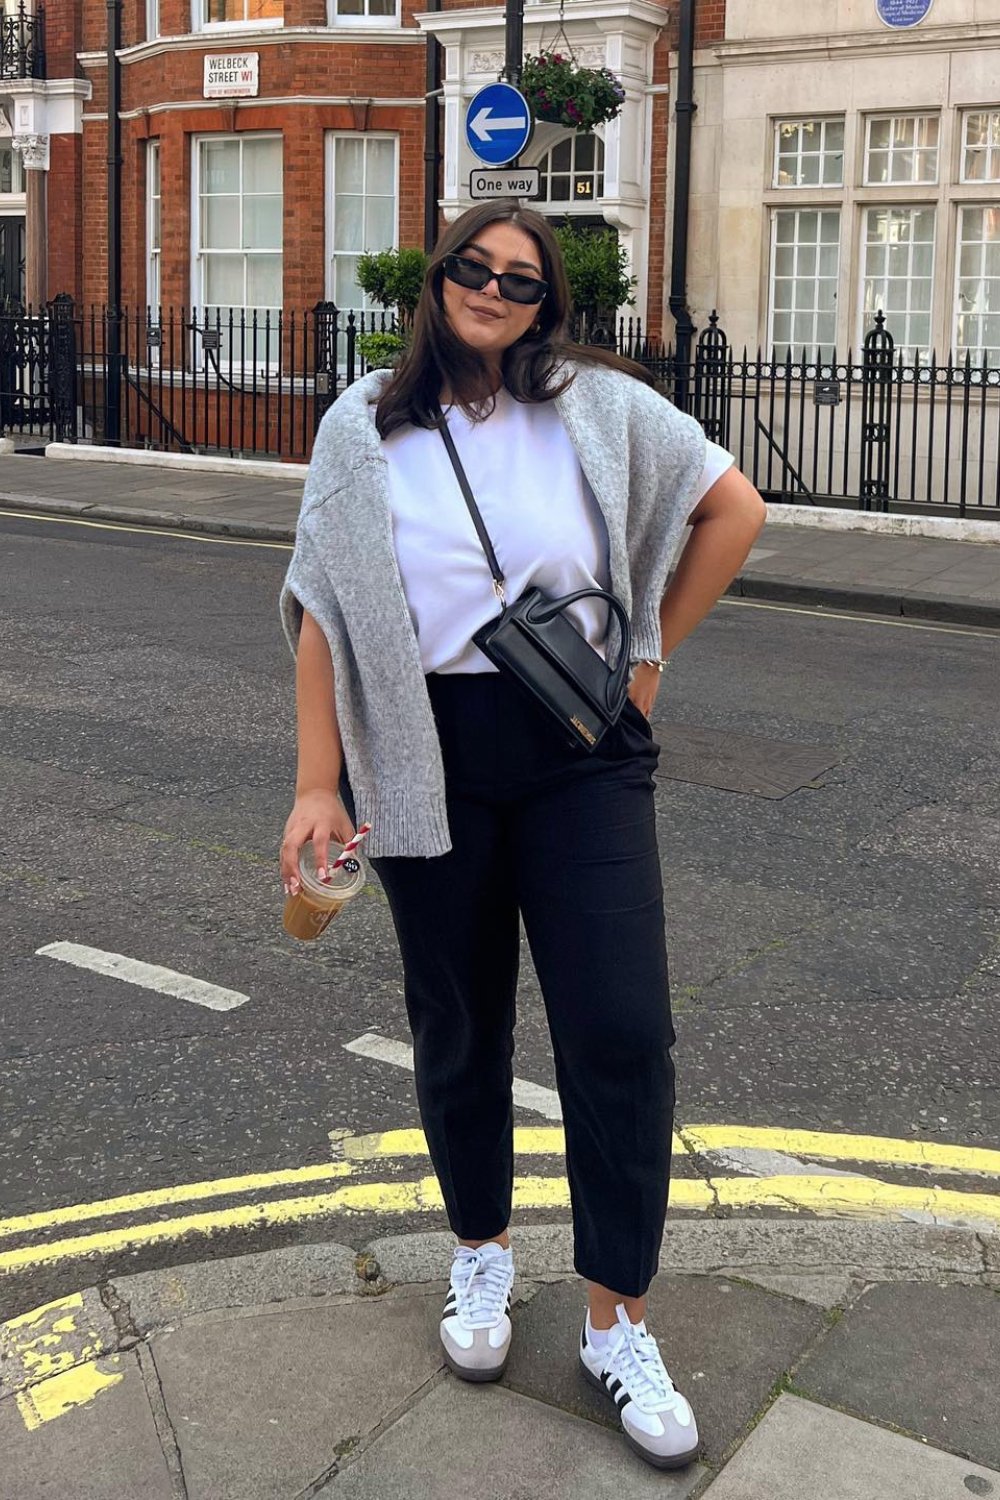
x,y
584,731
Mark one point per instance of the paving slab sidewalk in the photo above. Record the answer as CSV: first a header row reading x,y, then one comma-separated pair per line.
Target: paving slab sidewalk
x,y
923,577
309,1371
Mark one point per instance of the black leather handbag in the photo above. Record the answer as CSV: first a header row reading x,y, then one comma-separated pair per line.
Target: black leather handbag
x,y
534,642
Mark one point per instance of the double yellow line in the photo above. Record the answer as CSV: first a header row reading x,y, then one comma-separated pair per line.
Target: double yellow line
x,y
821,1193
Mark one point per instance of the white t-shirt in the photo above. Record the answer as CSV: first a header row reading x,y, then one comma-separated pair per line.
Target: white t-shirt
x,y
538,508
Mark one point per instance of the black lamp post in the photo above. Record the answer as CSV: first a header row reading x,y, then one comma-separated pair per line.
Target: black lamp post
x,y
112,322
684,112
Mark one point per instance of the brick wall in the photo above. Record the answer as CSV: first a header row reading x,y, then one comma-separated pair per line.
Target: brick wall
x,y
709,22
355,69
63,23
64,205
287,69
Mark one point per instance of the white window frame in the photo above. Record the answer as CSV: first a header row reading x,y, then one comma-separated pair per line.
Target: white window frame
x,y
17,175
596,174
220,28
808,208
959,351
992,151
910,182
376,22
197,274
329,189
152,20
909,349
154,287
822,121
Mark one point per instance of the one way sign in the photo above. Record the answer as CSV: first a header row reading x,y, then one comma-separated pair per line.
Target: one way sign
x,y
498,124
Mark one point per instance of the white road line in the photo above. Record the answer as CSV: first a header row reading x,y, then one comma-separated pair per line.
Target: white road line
x,y
147,976
528,1095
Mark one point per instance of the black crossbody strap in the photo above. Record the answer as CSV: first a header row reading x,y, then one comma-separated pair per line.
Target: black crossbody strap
x,y
470,500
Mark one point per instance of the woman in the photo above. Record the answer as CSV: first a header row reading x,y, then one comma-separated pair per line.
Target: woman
x,y
481,813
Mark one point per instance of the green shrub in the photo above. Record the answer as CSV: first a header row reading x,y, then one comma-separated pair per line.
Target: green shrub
x,y
380,351
393,279
596,270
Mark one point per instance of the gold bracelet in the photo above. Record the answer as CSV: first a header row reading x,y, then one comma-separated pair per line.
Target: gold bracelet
x,y
659,662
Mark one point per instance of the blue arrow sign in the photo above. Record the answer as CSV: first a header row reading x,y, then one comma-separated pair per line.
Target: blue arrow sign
x,y
498,124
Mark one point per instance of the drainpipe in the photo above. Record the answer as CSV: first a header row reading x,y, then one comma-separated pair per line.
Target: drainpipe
x,y
684,109
112,405
432,135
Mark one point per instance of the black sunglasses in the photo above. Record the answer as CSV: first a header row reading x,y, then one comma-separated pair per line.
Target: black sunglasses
x,y
475,275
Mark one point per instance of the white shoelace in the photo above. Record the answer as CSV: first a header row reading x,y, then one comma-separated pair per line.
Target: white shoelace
x,y
482,1285
635,1358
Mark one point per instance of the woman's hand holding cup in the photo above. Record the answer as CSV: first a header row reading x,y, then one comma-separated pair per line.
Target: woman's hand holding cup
x,y
317,816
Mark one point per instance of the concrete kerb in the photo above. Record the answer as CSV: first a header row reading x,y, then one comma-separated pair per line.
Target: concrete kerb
x,y
830,518
800,1253
155,519
823,1262
857,598
861,599
256,468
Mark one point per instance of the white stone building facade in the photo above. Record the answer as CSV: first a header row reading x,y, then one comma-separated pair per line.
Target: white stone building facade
x,y
841,167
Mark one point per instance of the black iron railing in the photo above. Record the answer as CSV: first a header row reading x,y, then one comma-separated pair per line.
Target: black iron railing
x,y
22,42
869,430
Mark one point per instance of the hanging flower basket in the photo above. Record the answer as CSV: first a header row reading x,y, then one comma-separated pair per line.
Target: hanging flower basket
x,y
562,93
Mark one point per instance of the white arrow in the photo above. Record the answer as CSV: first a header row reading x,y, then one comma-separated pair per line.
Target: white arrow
x,y
482,126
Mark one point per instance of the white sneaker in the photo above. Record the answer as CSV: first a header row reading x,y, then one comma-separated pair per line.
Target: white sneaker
x,y
656,1420
475,1328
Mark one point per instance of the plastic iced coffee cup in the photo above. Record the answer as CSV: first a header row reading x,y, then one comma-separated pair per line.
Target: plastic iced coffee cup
x,y
312,909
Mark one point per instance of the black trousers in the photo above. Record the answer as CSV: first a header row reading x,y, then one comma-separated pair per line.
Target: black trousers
x,y
567,840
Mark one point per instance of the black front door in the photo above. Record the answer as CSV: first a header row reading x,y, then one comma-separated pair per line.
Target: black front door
x,y
11,263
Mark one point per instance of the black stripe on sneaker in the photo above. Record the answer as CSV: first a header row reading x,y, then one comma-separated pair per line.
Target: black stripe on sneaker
x,y
612,1382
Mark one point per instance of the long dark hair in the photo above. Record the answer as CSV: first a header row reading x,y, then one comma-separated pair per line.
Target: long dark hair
x,y
527,365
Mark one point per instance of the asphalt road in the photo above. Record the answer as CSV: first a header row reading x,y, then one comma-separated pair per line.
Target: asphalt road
x,y
835,953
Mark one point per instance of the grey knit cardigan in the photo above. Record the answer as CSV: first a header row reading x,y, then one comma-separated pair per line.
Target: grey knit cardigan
x,y
643,459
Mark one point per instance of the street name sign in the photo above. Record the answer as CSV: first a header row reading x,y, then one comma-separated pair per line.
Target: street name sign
x,y
504,182
498,124
231,75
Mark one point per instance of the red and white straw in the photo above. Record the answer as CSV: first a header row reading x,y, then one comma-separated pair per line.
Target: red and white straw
x,y
351,845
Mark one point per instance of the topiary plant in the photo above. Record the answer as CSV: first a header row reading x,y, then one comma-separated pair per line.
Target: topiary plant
x,y
393,279
596,271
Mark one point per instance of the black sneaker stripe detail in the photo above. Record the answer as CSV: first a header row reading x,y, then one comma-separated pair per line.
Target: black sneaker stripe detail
x,y
613,1384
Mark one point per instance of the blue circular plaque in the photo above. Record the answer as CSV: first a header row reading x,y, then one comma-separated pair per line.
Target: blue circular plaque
x,y
900,14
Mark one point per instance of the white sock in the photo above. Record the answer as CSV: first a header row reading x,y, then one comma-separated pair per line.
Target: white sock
x,y
490,1251
599,1338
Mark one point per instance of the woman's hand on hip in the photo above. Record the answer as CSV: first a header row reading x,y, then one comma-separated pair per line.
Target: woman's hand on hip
x,y
318,816
644,687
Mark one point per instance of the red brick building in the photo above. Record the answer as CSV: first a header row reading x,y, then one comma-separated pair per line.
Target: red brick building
x,y
265,200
